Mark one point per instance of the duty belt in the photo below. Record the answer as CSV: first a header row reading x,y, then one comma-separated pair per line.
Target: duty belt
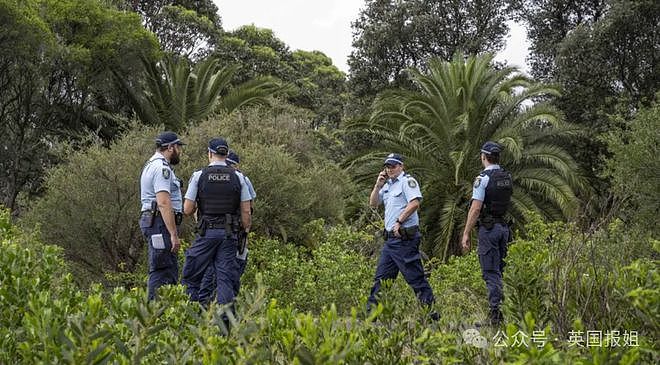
x,y
178,216
407,233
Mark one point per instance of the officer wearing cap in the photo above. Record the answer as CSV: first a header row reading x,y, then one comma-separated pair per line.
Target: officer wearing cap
x,y
491,197
207,286
221,199
401,195
160,196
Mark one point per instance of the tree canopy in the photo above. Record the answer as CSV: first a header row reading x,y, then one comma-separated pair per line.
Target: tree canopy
x,y
390,36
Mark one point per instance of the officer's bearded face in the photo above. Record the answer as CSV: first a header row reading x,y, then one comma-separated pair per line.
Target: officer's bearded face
x,y
175,157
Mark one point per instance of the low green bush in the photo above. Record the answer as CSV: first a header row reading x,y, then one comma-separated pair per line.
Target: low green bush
x,y
306,305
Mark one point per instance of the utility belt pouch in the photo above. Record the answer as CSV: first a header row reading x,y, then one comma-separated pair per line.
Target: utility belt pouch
x,y
408,233
152,215
228,231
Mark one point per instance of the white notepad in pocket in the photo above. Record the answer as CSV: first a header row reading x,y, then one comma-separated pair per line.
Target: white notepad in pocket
x,y
157,241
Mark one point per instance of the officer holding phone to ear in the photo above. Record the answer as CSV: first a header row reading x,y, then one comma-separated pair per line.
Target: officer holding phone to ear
x,y
400,194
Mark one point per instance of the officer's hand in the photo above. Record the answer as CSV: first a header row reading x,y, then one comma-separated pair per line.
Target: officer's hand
x,y
176,244
466,244
382,176
396,228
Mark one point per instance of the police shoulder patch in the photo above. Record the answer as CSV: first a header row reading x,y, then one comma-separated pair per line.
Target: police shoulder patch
x,y
166,173
477,182
412,183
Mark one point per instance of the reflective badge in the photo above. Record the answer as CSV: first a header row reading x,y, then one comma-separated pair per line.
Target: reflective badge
x,y
166,174
477,181
412,183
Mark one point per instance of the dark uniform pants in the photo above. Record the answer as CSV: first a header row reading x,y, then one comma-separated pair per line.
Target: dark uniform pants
x,y
208,282
492,251
216,250
163,264
398,255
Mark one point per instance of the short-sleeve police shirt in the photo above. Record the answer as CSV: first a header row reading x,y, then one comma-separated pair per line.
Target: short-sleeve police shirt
x,y
191,193
395,195
157,175
480,184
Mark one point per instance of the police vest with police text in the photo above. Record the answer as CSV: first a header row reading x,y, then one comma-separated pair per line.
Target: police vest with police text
x,y
218,191
498,193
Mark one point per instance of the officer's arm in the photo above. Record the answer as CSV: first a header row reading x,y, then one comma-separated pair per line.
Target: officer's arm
x,y
411,207
246,217
189,206
472,216
166,211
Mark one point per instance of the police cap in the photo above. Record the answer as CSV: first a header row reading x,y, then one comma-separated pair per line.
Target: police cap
x,y
218,146
167,139
232,158
393,159
491,148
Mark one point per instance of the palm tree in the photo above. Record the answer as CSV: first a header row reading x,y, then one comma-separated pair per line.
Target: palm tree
x,y
174,94
441,126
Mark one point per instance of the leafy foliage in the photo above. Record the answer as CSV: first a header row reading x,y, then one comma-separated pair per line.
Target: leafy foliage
x,y
604,55
632,167
186,28
98,188
391,36
46,319
175,95
57,59
440,129
314,82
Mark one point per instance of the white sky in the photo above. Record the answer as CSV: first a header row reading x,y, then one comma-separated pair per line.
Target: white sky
x,y
325,25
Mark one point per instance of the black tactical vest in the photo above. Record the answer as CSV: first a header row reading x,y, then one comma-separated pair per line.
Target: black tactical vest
x,y
218,191
498,193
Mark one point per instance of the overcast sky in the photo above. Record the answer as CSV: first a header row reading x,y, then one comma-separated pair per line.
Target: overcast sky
x,y
325,25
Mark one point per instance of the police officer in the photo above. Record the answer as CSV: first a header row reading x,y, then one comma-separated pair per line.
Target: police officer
x,y
207,286
400,193
160,196
221,198
491,197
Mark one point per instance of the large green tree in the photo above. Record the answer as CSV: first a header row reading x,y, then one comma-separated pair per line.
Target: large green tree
x,y
314,82
390,36
188,28
441,127
607,64
57,59
548,22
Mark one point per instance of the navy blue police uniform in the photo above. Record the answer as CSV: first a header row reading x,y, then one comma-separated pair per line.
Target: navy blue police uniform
x,y
218,191
208,282
158,176
494,187
401,254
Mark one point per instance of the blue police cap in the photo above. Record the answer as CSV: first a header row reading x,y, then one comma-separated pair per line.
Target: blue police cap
x,y
393,159
232,158
491,148
218,146
168,138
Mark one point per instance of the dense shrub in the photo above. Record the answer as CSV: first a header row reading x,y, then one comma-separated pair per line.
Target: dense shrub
x,y
634,165
600,280
91,203
45,319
